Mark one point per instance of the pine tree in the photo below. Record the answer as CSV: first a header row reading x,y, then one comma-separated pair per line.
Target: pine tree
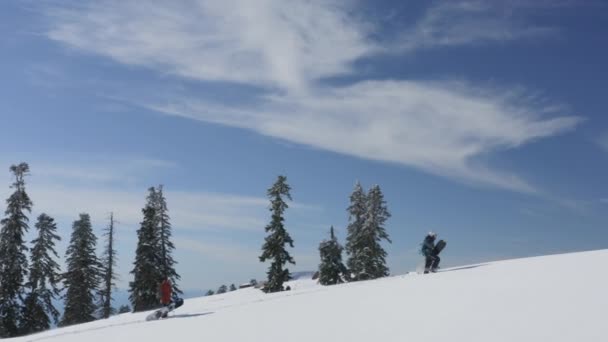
x,y
166,246
43,279
356,211
368,214
331,270
232,287
222,289
83,274
209,293
373,257
13,260
274,246
108,263
146,272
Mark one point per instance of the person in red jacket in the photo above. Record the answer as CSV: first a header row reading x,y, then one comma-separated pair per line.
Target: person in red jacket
x,y
168,299
165,292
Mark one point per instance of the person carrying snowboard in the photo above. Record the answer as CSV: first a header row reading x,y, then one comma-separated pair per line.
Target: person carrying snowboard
x,y
431,253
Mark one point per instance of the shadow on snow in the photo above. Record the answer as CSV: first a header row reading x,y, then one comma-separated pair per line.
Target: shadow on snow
x,y
191,315
463,268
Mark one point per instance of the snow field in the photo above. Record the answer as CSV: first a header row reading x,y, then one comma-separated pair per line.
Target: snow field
x,y
551,298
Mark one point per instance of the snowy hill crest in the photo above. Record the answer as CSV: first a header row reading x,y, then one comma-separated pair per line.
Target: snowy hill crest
x,y
551,298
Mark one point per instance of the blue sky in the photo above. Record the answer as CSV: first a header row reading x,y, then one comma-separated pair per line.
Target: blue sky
x,y
483,121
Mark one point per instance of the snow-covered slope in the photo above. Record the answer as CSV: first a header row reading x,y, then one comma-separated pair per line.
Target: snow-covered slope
x,y
553,298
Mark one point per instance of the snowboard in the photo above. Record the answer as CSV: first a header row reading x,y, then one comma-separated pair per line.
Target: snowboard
x,y
439,247
163,312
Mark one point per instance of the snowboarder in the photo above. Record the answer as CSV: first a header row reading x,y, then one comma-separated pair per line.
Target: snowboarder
x,y
430,253
165,292
168,299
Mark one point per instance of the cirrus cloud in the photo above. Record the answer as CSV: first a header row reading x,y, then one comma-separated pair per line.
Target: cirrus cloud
x,y
267,43
438,127
286,49
452,23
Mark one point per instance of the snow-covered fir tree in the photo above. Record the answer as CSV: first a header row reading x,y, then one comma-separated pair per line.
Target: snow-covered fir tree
x,y
331,270
82,278
13,259
108,271
274,247
164,235
209,293
232,287
356,217
222,289
154,260
44,276
368,215
372,262
147,273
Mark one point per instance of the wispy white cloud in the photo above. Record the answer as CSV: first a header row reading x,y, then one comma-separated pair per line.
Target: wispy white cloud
x,y
450,23
65,192
438,127
285,49
243,255
100,170
86,169
226,252
204,223
275,43
198,211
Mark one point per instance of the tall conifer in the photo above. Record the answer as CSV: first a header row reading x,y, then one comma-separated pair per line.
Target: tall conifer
x,y
147,274
82,277
331,270
356,217
13,259
274,247
44,277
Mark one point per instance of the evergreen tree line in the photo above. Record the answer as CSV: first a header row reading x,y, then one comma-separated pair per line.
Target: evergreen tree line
x,y
368,213
223,288
30,286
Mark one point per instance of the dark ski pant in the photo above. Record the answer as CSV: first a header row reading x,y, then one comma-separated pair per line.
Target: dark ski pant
x,y
432,262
